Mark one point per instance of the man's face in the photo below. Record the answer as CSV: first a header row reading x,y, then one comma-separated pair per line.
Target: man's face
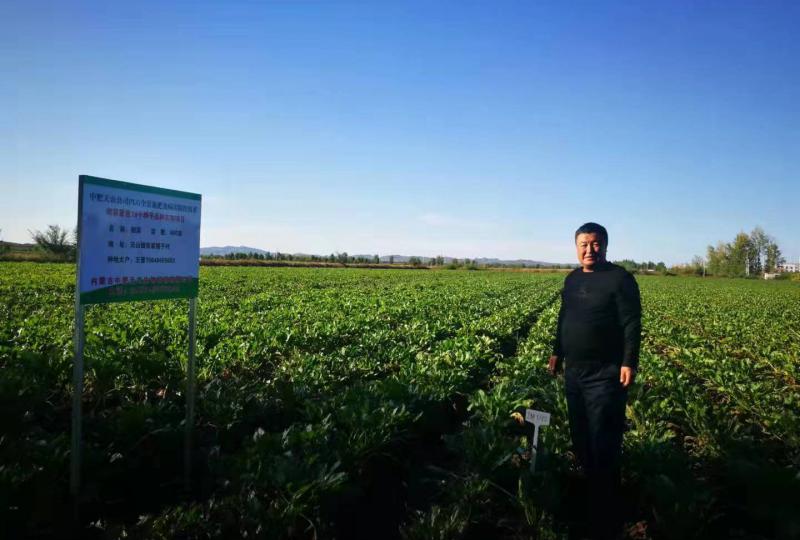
x,y
591,250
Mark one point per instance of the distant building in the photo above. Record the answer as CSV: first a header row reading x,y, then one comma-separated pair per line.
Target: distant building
x,y
789,267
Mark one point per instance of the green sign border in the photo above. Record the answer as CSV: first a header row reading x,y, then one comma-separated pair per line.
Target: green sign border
x,y
128,292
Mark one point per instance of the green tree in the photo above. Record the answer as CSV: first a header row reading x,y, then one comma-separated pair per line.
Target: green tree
x,y
718,259
758,248
54,240
773,257
741,251
698,265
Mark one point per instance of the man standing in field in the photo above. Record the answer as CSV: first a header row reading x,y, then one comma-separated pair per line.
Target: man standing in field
x,y
598,335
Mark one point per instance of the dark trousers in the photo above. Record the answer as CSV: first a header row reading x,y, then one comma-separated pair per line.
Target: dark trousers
x,y
596,402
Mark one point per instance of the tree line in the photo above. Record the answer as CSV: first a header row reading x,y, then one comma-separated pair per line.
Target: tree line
x,y
642,267
52,244
344,258
748,255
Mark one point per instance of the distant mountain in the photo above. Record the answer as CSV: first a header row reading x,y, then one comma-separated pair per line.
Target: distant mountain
x,y
399,259
226,250
516,262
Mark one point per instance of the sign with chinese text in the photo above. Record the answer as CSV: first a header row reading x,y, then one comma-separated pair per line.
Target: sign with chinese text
x,y
136,242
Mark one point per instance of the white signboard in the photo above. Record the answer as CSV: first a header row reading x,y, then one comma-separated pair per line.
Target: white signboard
x,y
136,242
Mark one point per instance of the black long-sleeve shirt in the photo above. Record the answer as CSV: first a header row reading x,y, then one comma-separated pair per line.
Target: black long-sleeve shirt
x,y
600,317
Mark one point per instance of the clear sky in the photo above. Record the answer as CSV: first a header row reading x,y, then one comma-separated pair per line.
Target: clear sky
x,y
465,129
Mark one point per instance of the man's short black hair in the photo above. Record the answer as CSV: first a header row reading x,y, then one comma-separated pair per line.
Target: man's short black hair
x,y
596,228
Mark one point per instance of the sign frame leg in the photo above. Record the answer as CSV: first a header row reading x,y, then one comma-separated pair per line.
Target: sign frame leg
x,y
77,398
190,397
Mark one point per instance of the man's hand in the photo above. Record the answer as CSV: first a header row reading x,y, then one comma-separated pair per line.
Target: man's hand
x,y
554,365
626,376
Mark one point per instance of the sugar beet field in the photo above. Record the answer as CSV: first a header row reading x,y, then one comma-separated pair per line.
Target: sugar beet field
x,y
343,403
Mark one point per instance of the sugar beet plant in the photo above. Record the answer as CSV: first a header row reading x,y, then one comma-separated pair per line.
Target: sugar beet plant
x,y
343,403
311,385
711,448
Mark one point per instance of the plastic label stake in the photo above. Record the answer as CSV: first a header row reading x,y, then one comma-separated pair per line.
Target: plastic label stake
x,y
537,418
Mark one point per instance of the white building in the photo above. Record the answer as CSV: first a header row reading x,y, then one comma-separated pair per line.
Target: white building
x,y
789,267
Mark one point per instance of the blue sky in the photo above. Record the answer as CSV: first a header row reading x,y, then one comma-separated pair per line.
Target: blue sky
x,y
465,129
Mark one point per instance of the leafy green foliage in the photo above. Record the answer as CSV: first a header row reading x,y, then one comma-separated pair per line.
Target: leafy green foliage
x,y
383,397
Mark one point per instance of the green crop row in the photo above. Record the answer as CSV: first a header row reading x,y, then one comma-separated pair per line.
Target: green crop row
x,y
711,449
304,376
341,403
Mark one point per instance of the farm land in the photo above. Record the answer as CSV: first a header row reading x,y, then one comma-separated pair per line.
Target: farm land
x,y
354,403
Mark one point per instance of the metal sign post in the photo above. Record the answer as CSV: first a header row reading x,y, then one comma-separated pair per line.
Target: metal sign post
x,y
537,418
77,394
190,391
77,370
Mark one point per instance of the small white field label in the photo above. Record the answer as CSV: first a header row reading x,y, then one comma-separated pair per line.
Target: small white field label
x,y
538,418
